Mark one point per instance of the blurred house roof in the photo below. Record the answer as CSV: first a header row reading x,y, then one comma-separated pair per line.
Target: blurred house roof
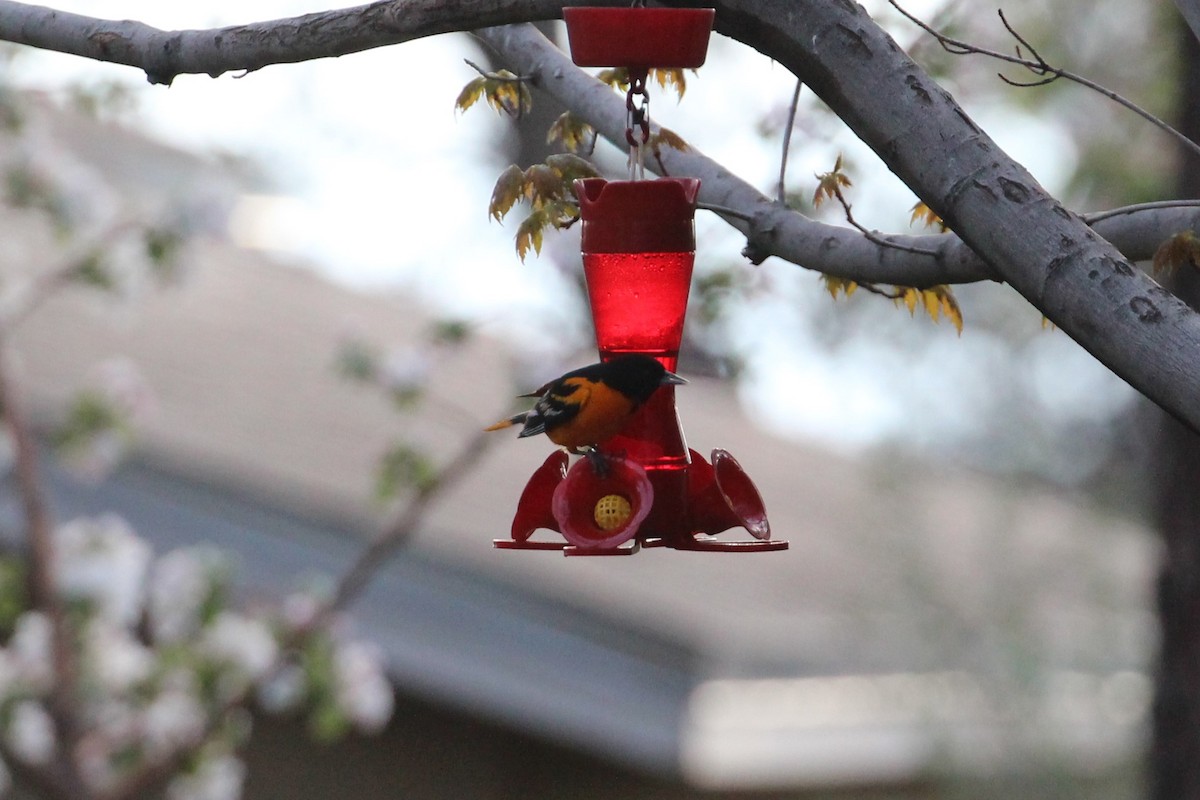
x,y
913,601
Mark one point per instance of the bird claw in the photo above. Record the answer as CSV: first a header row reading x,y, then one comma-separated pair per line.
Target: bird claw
x,y
598,460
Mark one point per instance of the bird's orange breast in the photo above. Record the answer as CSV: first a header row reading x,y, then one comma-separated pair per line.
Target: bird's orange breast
x,y
602,414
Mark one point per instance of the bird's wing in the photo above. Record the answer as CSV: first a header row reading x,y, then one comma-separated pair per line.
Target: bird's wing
x,y
559,404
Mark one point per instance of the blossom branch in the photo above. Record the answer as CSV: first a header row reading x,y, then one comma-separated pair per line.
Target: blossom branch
x,y
43,582
400,531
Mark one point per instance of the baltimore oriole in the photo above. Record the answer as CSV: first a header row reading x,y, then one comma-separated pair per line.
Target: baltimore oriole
x,y
591,404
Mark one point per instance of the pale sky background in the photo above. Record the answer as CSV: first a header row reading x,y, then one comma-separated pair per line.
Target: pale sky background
x,y
388,187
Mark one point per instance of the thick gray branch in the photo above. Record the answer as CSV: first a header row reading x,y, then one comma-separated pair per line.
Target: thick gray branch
x,y
1080,281
165,54
1190,10
774,229
771,228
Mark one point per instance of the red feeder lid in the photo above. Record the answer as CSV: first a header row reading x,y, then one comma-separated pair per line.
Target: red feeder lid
x,y
638,216
639,38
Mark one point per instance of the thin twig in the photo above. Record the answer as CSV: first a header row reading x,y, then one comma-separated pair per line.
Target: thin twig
x,y
42,577
874,289
349,587
1096,216
24,300
404,525
1041,67
781,192
725,211
873,236
494,75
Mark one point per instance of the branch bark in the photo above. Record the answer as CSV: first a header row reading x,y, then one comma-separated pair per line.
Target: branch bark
x,y
1020,233
1078,280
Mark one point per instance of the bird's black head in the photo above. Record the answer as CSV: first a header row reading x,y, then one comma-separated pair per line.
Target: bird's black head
x,y
637,376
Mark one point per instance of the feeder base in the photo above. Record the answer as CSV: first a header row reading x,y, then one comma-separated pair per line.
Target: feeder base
x,y
513,544
706,545
626,549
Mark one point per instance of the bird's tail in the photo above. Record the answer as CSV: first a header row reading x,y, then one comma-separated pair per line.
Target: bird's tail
x,y
516,419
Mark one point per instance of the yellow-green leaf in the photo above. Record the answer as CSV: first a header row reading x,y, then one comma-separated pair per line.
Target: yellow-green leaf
x,y
950,308
529,234
572,132
1182,248
470,93
671,79
509,95
926,215
562,213
542,184
829,184
932,303
617,78
510,187
668,137
570,166
833,285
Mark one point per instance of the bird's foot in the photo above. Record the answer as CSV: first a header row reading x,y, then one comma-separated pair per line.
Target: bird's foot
x,y
597,459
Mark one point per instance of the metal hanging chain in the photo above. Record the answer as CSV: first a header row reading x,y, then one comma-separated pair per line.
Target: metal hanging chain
x,y
637,125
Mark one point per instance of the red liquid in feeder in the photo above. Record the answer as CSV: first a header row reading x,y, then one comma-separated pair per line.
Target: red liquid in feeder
x,y
639,301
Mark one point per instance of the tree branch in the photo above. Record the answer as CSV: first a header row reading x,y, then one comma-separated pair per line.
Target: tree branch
x,y
774,229
1078,280
164,55
770,227
401,529
43,586
1039,66
1025,237
1190,10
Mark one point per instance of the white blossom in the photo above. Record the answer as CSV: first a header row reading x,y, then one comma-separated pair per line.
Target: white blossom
x,y
172,720
300,609
283,690
363,691
243,644
405,370
31,651
94,459
113,719
30,733
215,778
10,676
121,382
102,560
181,582
95,764
115,659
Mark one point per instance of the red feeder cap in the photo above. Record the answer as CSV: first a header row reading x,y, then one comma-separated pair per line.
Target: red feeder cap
x,y
639,38
638,216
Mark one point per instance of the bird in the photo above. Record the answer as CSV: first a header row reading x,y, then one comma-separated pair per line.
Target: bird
x,y
586,406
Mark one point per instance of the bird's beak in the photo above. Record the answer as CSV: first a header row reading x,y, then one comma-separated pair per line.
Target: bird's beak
x,y
671,378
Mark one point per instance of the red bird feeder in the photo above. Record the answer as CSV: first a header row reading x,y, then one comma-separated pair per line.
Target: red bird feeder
x,y
638,246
